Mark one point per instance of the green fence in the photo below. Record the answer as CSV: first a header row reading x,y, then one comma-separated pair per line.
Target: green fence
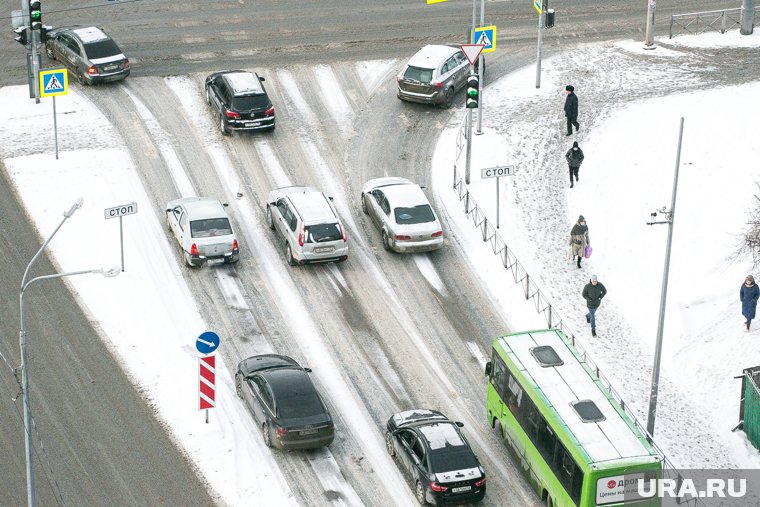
x,y
750,405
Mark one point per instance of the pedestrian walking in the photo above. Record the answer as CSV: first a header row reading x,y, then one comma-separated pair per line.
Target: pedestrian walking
x,y
593,293
579,239
748,294
574,158
571,110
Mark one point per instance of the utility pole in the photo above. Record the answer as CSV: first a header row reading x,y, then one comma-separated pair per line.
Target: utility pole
x,y
663,295
649,40
748,17
540,31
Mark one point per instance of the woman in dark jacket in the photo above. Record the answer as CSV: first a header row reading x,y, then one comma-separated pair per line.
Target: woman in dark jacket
x,y
574,157
748,294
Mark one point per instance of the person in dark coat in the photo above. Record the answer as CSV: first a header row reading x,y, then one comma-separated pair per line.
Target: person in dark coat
x,y
579,239
571,110
748,294
574,158
593,293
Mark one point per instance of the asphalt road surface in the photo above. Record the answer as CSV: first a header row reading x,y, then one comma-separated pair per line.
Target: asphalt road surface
x,y
102,441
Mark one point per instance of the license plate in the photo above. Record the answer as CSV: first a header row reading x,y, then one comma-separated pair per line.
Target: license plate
x,y
110,67
252,123
307,432
214,261
324,249
461,490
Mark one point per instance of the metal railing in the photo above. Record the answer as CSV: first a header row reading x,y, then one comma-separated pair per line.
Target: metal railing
x,y
707,21
531,290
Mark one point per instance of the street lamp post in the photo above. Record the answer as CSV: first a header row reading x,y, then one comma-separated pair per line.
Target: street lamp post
x,y
22,345
670,215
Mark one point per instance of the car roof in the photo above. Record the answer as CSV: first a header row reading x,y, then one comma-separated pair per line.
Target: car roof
x,y
432,55
289,381
90,34
440,434
404,194
313,206
244,83
199,208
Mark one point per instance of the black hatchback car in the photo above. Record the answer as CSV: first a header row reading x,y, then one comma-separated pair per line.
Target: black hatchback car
x,y
433,451
88,52
284,402
240,100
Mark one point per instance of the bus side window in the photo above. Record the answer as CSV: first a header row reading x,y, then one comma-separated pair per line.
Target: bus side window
x,y
568,473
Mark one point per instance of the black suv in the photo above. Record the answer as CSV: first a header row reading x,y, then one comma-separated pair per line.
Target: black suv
x,y
240,100
433,451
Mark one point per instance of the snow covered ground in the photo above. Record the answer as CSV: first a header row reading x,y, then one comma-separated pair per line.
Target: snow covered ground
x,y
630,148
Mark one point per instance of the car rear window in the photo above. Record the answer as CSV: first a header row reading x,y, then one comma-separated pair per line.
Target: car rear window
x,y
418,74
450,458
248,102
323,232
416,215
101,49
210,227
299,405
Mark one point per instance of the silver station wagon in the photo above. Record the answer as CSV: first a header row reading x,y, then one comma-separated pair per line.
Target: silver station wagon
x,y
203,231
433,75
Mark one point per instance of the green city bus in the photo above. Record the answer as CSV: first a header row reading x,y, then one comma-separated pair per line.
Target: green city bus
x,y
574,441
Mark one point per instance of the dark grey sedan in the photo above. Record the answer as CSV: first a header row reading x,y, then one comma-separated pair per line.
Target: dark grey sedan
x,y
89,53
284,402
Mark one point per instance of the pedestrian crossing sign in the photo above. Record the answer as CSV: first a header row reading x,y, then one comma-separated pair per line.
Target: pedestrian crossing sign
x,y
485,35
54,82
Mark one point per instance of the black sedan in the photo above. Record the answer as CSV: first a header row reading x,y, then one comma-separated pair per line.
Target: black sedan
x,y
433,451
284,402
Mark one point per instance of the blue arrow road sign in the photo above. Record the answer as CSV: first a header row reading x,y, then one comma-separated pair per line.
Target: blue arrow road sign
x,y
485,35
207,342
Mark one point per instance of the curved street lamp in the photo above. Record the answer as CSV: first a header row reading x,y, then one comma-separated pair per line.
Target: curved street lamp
x,y
113,271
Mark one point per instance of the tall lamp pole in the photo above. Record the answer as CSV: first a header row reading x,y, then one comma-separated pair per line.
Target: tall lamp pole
x,y
649,38
30,492
670,215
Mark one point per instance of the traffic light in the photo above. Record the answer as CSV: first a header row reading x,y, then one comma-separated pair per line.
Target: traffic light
x,y
549,18
35,14
473,90
21,36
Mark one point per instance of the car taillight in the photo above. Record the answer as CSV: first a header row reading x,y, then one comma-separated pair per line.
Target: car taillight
x,y
437,487
437,84
91,70
126,63
343,230
300,237
480,482
436,234
193,250
401,237
269,112
235,247
232,114
281,432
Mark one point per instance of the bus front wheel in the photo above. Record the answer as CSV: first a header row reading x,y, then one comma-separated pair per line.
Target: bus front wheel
x,y
549,502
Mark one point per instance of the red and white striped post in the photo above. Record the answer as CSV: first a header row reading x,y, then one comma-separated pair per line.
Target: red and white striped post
x,y
206,383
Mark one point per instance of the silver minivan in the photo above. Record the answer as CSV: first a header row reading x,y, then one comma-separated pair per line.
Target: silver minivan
x,y
306,221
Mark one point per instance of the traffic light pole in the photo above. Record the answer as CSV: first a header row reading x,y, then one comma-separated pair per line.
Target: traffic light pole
x,y
481,69
538,55
36,64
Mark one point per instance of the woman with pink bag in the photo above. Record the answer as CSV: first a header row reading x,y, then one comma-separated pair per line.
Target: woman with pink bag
x,y
579,240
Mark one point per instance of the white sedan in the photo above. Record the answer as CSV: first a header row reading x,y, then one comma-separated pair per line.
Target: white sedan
x,y
402,211
203,231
